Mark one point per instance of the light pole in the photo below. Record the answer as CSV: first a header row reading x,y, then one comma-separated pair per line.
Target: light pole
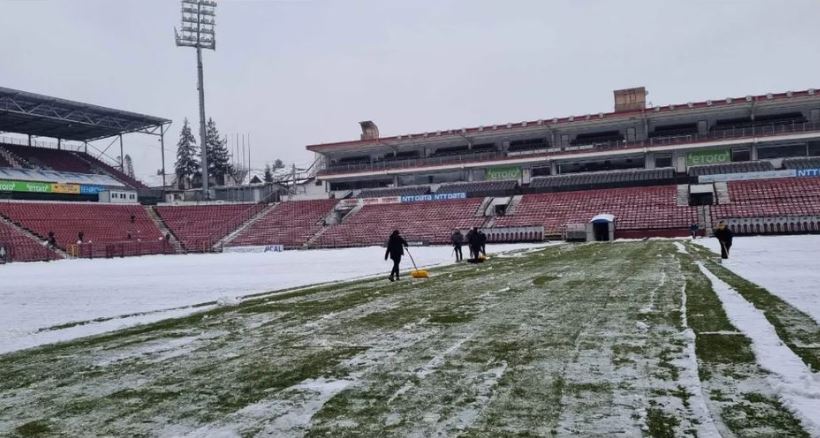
x,y
197,31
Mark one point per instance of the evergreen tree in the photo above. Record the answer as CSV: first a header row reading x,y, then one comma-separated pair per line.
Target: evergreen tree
x,y
187,165
268,174
219,158
278,164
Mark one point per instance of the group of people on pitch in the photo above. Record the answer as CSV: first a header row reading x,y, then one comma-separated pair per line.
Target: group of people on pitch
x,y
476,240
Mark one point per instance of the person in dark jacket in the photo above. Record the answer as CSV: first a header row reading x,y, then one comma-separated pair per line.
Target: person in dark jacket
x,y
724,235
693,230
52,241
395,249
458,239
474,242
482,241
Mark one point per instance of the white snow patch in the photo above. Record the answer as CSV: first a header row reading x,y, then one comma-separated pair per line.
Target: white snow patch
x,y
786,266
797,386
681,248
139,290
283,417
228,301
690,379
438,360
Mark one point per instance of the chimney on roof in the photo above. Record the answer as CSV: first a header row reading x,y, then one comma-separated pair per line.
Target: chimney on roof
x,y
369,130
630,99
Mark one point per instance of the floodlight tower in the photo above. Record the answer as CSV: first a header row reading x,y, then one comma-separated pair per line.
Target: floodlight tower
x,y
197,31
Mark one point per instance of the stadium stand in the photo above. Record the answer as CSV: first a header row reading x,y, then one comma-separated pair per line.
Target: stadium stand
x,y
199,227
771,197
480,188
102,224
636,208
394,191
430,222
290,223
802,163
33,157
739,167
609,179
111,170
22,248
46,158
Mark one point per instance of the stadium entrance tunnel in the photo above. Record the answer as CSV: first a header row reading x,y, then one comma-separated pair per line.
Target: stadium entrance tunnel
x,y
601,228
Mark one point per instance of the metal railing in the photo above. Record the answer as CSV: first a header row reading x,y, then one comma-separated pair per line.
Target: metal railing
x,y
717,134
120,249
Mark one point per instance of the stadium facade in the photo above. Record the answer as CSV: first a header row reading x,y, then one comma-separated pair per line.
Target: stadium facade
x,y
721,131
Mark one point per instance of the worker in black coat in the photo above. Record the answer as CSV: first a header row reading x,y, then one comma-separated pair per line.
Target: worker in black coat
x,y
724,235
474,242
395,249
482,241
457,239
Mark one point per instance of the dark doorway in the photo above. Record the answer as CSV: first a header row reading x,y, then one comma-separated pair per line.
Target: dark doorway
x,y
701,199
600,230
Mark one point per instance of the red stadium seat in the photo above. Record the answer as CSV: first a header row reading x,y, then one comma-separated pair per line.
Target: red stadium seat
x,y
199,227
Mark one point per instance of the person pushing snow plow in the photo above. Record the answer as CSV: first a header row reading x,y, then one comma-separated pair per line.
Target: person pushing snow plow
x,y
724,235
474,242
395,249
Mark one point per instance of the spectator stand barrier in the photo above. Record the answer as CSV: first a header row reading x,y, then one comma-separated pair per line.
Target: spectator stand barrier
x,y
533,233
128,248
774,225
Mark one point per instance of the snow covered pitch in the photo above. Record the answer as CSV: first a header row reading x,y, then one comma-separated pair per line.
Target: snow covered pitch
x,y
626,339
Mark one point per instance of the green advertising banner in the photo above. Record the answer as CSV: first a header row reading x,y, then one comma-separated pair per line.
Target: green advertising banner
x,y
24,186
709,156
502,173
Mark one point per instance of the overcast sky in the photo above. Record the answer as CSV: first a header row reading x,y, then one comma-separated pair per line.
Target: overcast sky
x,y
292,73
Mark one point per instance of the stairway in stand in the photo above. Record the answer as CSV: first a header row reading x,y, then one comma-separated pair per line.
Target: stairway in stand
x,y
164,229
231,236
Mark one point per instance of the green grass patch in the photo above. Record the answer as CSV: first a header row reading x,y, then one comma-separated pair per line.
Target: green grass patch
x,y
762,416
797,329
659,424
33,429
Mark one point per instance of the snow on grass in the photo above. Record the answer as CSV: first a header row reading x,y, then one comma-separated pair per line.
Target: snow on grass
x,y
690,379
797,385
786,266
125,292
543,344
288,415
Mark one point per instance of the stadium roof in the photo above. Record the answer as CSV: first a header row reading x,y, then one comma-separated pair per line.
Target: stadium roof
x,y
351,145
22,112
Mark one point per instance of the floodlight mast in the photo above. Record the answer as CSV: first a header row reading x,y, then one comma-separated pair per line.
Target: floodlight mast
x,y
197,31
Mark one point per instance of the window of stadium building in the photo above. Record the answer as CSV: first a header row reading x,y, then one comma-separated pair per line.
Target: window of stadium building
x,y
798,150
540,171
663,161
814,148
744,154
